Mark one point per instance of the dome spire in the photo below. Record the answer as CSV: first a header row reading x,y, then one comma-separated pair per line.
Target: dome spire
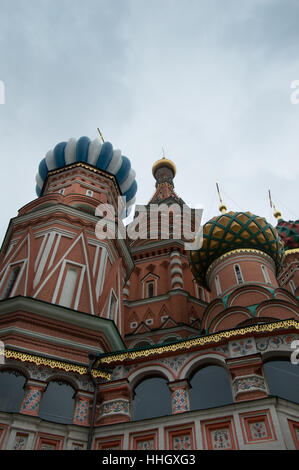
x,y
222,206
276,213
101,135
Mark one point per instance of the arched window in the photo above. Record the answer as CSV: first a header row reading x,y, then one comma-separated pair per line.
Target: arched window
x,y
292,286
141,344
217,284
11,391
283,379
170,339
10,282
112,306
70,283
152,398
150,289
85,208
202,293
265,274
238,274
57,403
210,387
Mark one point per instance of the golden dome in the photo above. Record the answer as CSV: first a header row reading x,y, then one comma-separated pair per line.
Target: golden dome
x,y
163,162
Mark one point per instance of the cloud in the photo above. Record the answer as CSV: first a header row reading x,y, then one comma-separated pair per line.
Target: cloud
x,y
208,80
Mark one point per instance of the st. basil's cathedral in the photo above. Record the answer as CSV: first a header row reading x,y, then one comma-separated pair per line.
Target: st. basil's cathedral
x,y
112,343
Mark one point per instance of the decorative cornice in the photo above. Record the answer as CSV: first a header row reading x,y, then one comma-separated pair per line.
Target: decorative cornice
x,y
199,341
155,243
53,364
292,251
87,167
64,314
43,337
158,298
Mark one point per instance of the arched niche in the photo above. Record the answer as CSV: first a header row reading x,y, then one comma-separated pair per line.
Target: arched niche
x,y
141,344
84,208
12,384
57,403
170,339
282,377
152,398
210,387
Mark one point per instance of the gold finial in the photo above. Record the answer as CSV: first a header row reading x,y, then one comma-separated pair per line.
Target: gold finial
x,y
101,135
276,213
163,153
222,206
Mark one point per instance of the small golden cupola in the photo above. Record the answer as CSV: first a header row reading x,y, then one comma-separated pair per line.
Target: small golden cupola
x,y
164,170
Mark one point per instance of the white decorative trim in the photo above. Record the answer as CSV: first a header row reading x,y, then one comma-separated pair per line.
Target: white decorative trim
x,y
62,270
40,250
112,293
175,261
101,272
176,280
95,262
57,265
26,238
44,258
55,249
21,262
176,270
11,246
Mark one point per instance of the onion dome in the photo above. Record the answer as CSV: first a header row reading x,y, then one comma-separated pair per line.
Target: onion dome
x,y
289,233
95,153
231,231
163,164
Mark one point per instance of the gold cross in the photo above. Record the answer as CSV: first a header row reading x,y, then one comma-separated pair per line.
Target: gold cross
x,y
101,135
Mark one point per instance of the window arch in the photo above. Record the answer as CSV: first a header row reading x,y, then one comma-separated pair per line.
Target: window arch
x,y
150,286
265,274
10,283
283,379
85,208
113,304
69,286
292,286
217,284
170,339
210,387
57,403
152,398
12,385
141,344
238,274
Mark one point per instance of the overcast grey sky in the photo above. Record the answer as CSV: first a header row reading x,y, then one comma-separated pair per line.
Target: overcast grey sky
x,y
207,79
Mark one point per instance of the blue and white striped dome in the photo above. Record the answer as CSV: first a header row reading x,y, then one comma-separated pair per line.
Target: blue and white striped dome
x,y
94,153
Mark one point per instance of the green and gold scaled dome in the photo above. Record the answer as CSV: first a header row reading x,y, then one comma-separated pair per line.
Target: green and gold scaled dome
x,y
232,231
